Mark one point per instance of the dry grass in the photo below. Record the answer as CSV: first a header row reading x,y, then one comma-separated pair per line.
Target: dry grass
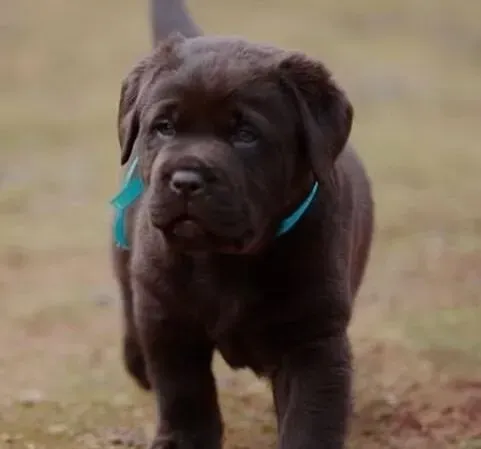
x,y
413,71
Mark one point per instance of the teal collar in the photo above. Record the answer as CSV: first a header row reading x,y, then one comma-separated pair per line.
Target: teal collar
x,y
289,222
133,187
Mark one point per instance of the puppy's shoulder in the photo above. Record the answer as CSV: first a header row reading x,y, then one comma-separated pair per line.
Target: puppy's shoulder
x,y
353,178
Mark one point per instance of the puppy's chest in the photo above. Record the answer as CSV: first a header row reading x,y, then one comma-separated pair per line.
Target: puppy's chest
x,y
265,333
253,320
229,314
252,328
253,345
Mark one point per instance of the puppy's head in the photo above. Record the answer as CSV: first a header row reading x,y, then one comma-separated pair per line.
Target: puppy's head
x,y
230,136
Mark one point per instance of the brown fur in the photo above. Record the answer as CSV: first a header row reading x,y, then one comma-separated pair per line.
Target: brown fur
x,y
256,125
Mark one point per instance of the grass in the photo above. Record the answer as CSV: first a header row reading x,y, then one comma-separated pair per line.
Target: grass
x,y
412,70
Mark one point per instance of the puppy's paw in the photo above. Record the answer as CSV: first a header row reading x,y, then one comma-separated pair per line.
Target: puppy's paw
x,y
181,440
165,442
163,445
135,363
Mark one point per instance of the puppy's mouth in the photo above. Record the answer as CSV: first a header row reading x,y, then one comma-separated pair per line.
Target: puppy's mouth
x,y
185,227
187,233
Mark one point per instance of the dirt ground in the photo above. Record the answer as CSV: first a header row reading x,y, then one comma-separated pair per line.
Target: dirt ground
x,y
413,72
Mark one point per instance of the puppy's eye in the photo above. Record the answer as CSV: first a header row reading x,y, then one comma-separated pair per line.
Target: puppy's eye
x,y
244,134
165,128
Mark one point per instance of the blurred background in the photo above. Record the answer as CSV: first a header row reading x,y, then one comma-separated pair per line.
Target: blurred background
x,y
412,69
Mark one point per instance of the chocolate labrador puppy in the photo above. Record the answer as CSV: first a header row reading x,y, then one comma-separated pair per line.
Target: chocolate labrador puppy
x,y
244,226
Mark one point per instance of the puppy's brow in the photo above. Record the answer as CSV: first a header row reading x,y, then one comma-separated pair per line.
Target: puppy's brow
x,y
162,107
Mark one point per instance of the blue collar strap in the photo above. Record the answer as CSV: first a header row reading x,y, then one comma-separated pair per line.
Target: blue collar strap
x,y
131,190
288,223
133,187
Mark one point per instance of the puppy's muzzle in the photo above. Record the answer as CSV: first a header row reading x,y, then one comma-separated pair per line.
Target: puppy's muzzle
x,y
187,182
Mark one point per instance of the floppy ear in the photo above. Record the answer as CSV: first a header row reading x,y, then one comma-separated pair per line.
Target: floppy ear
x,y
163,58
127,117
325,111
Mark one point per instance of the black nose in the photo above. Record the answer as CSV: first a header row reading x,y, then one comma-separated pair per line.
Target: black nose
x,y
187,182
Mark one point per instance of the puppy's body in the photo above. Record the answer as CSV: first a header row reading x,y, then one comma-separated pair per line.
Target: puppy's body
x,y
206,271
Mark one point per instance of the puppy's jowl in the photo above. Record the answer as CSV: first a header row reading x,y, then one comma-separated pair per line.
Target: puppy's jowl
x,y
244,226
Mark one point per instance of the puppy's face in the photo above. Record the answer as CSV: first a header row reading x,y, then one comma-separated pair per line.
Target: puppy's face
x,y
229,137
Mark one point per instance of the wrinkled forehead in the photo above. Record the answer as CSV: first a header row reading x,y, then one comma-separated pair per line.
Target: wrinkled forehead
x,y
215,69
227,48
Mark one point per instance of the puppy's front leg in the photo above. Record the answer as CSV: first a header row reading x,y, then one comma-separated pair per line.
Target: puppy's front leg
x,y
132,352
312,393
178,361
